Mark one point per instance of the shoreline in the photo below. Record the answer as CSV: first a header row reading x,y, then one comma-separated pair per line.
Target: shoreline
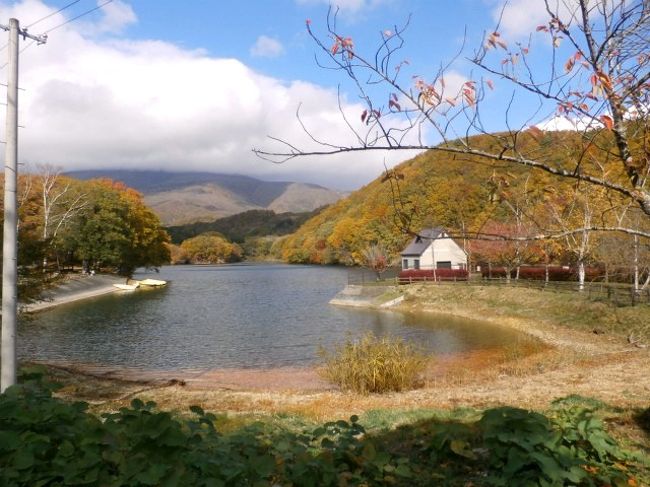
x,y
73,289
570,360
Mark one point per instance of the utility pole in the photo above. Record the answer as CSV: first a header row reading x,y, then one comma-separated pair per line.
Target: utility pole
x,y
8,365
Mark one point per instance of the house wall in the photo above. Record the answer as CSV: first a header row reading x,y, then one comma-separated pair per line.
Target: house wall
x,y
442,250
446,250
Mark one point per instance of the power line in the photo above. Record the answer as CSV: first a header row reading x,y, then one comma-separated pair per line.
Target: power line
x,y
53,13
43,37
79,16
6,85
23,50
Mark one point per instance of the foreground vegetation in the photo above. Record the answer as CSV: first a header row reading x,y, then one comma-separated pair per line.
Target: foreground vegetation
x,y
46,441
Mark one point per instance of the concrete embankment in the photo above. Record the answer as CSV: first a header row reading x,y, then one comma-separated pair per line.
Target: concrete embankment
x,y
75,288
368,296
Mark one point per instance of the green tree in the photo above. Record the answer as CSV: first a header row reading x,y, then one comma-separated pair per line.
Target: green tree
x,y
116,230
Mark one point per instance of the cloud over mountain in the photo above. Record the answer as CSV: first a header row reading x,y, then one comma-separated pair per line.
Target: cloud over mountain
x,y
95,99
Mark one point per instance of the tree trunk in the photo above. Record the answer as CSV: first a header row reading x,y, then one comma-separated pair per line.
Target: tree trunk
x,y
581,276
636,264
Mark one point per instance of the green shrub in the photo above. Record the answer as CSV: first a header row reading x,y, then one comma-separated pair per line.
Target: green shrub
x,y
46,441
374,364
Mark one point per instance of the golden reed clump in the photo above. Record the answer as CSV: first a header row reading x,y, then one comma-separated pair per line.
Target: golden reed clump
x,y
374,365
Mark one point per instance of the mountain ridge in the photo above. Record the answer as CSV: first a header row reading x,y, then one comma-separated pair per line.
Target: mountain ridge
x,y
188,197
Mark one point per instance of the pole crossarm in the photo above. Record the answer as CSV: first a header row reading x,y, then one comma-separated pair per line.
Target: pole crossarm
x,y
40,39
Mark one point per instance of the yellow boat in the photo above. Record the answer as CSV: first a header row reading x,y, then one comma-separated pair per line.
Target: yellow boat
x,y
152,282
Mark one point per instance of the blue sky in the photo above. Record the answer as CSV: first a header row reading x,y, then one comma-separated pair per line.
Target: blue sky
x,y
229,29
195,85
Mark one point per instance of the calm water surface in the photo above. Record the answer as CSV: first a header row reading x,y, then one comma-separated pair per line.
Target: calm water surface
x,y
232,316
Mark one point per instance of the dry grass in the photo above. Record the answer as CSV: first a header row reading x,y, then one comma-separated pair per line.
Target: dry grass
x,y
532,310
374,365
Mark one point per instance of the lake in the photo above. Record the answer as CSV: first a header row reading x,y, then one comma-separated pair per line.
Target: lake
x,y
232,316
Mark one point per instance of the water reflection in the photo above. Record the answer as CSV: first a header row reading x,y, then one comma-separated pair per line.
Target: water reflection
x,y
232,316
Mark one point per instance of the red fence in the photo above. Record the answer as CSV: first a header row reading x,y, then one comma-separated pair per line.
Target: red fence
x,y
416,275
538,273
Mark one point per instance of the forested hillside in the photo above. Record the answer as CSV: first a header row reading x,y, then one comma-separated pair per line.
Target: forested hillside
x,y
239,227
467,196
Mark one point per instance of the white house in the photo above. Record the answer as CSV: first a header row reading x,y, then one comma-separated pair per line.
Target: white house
x,y
433,249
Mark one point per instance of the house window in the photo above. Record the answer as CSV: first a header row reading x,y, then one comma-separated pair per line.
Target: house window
x,y
405,264
416,263
443,264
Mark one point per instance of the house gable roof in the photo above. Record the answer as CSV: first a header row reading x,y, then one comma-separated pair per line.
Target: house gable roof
x,y
424,238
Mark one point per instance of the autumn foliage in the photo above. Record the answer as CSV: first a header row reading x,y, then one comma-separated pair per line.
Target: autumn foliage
x,y
97,224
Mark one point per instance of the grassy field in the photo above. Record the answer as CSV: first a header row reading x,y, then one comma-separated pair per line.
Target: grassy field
x,y
531,307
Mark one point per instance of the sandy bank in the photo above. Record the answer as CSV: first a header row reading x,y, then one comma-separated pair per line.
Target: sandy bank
x,y
76,288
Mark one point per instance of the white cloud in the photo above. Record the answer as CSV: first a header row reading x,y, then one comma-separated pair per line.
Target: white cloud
x,y
93,103
117,15
520,18
266,46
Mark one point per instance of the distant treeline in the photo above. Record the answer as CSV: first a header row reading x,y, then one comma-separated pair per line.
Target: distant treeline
x,y
249,224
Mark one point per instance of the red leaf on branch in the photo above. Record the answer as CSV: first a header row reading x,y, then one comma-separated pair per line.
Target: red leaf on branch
x,y
489,83
335,48
607,121
395,105
568,66
605,80
364,115
542,28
